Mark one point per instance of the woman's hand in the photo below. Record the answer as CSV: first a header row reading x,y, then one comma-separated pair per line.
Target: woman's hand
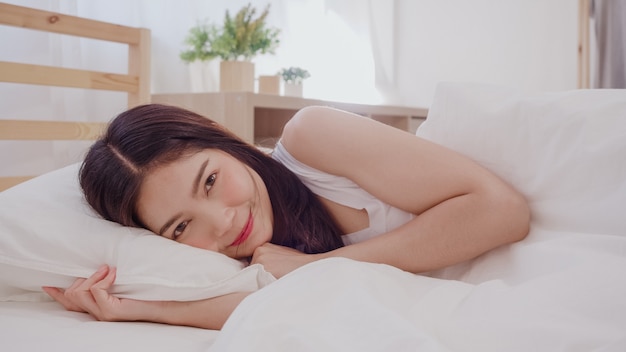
x,y
92,296
279,260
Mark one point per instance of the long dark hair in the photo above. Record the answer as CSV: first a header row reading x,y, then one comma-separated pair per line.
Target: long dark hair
x,y
148,136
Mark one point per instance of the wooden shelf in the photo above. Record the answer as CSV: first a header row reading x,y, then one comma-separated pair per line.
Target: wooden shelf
x,y
259,118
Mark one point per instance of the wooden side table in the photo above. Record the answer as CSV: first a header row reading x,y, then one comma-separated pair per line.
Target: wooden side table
x,y
260,118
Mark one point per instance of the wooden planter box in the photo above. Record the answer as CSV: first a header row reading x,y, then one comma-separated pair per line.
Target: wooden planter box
x,y
236,76
269,85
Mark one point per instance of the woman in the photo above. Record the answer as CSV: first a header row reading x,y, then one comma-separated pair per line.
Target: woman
x,y
337,184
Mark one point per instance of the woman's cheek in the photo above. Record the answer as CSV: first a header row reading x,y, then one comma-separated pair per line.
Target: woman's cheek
x,y
237,188
201,242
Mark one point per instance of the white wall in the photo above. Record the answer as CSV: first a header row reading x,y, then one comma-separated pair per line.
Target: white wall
x,y
529,44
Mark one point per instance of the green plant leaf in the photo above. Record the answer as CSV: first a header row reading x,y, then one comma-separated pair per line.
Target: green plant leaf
x,y
294,74
241,37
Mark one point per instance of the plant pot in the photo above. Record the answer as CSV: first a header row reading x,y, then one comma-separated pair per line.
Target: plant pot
x,y
269,85
204,76
236,76
293,89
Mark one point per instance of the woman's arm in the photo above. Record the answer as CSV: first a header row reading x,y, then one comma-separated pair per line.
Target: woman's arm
x,y
91,296
463,210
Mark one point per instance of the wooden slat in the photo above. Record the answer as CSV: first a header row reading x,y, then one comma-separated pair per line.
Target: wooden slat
x,y
66,77
139,65
8,182
19,16
50,130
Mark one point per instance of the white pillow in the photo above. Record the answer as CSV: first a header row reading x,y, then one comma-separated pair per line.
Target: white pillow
x,y
49,236
566,151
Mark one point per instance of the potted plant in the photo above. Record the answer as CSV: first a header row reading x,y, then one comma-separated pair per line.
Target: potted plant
x,y
236,42
293,78
199,57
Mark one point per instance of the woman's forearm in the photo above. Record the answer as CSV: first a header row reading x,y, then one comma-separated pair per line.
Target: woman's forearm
x,y
453,231
208,314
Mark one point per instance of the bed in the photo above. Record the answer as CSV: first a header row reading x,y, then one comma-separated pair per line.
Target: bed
x,y
561,288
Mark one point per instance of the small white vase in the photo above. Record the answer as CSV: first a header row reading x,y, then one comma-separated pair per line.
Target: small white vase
x,y
204,76
293,89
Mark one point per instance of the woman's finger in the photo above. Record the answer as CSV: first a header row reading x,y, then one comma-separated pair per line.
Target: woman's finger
x,y
79,291
100,290
84,294
107,281
78,296
59,296
109,305
76,284
95,277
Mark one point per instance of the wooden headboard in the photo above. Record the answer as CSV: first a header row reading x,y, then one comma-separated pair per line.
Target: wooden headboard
x,y
136,82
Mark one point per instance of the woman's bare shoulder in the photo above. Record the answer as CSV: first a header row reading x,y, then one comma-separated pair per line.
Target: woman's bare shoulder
x,y
318,136
393,165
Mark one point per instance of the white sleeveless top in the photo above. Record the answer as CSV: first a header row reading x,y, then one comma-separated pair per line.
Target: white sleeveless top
x,y
382,217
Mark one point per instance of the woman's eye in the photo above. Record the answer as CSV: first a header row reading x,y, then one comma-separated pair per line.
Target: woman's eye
x,y
209,182
179,230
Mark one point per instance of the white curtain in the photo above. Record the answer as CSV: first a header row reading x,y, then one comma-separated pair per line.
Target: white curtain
x,y
610,38
369,28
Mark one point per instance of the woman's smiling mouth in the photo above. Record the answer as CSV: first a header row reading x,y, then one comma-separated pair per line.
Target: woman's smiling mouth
x,y
245,233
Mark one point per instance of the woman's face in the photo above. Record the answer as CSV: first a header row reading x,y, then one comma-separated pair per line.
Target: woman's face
x,y
208,200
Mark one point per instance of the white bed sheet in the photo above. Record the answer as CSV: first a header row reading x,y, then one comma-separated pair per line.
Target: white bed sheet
x,y
46,326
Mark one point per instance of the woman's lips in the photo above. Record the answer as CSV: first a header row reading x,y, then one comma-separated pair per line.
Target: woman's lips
x,y
245,233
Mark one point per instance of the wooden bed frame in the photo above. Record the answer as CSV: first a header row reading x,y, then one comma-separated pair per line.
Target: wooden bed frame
x,y
136,82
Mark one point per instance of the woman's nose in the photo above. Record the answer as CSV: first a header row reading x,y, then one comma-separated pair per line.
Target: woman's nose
x,y
221,220
227,221
212,227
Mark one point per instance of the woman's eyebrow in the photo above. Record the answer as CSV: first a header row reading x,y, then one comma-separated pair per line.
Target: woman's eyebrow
x,y
198,180
168,224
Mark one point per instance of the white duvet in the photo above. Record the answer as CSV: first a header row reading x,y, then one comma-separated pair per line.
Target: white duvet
x,y
551,292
